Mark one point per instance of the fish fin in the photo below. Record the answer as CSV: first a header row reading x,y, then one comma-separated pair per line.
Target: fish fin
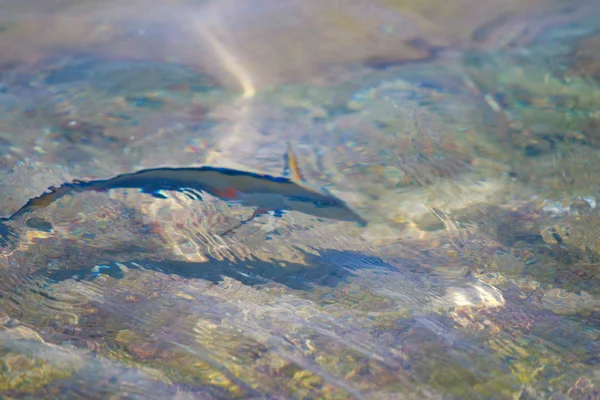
x,y
257,213
44,200
290,166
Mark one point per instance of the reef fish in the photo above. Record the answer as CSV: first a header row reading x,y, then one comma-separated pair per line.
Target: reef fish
x,y
267,193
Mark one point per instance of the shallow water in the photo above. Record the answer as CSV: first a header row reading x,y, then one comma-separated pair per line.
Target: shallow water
x,y
466,135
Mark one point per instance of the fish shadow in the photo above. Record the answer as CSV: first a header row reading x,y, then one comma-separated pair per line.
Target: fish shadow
x,y
329,269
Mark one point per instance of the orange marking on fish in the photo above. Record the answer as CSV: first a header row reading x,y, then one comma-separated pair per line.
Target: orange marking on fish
x,y
227,193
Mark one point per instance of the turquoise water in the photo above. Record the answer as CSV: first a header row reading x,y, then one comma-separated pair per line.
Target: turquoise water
x,y
472,156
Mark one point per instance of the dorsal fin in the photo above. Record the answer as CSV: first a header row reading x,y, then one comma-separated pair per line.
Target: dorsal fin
x,y
290,168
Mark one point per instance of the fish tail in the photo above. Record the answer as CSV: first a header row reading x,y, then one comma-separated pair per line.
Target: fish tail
x,y
8,235
53,194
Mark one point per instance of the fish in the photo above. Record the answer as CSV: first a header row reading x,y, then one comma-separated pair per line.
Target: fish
x,y
268,194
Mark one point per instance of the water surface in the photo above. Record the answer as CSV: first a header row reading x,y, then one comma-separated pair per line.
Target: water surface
x,y
465,134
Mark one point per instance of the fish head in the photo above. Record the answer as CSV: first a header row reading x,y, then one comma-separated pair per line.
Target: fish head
x,y
323,205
